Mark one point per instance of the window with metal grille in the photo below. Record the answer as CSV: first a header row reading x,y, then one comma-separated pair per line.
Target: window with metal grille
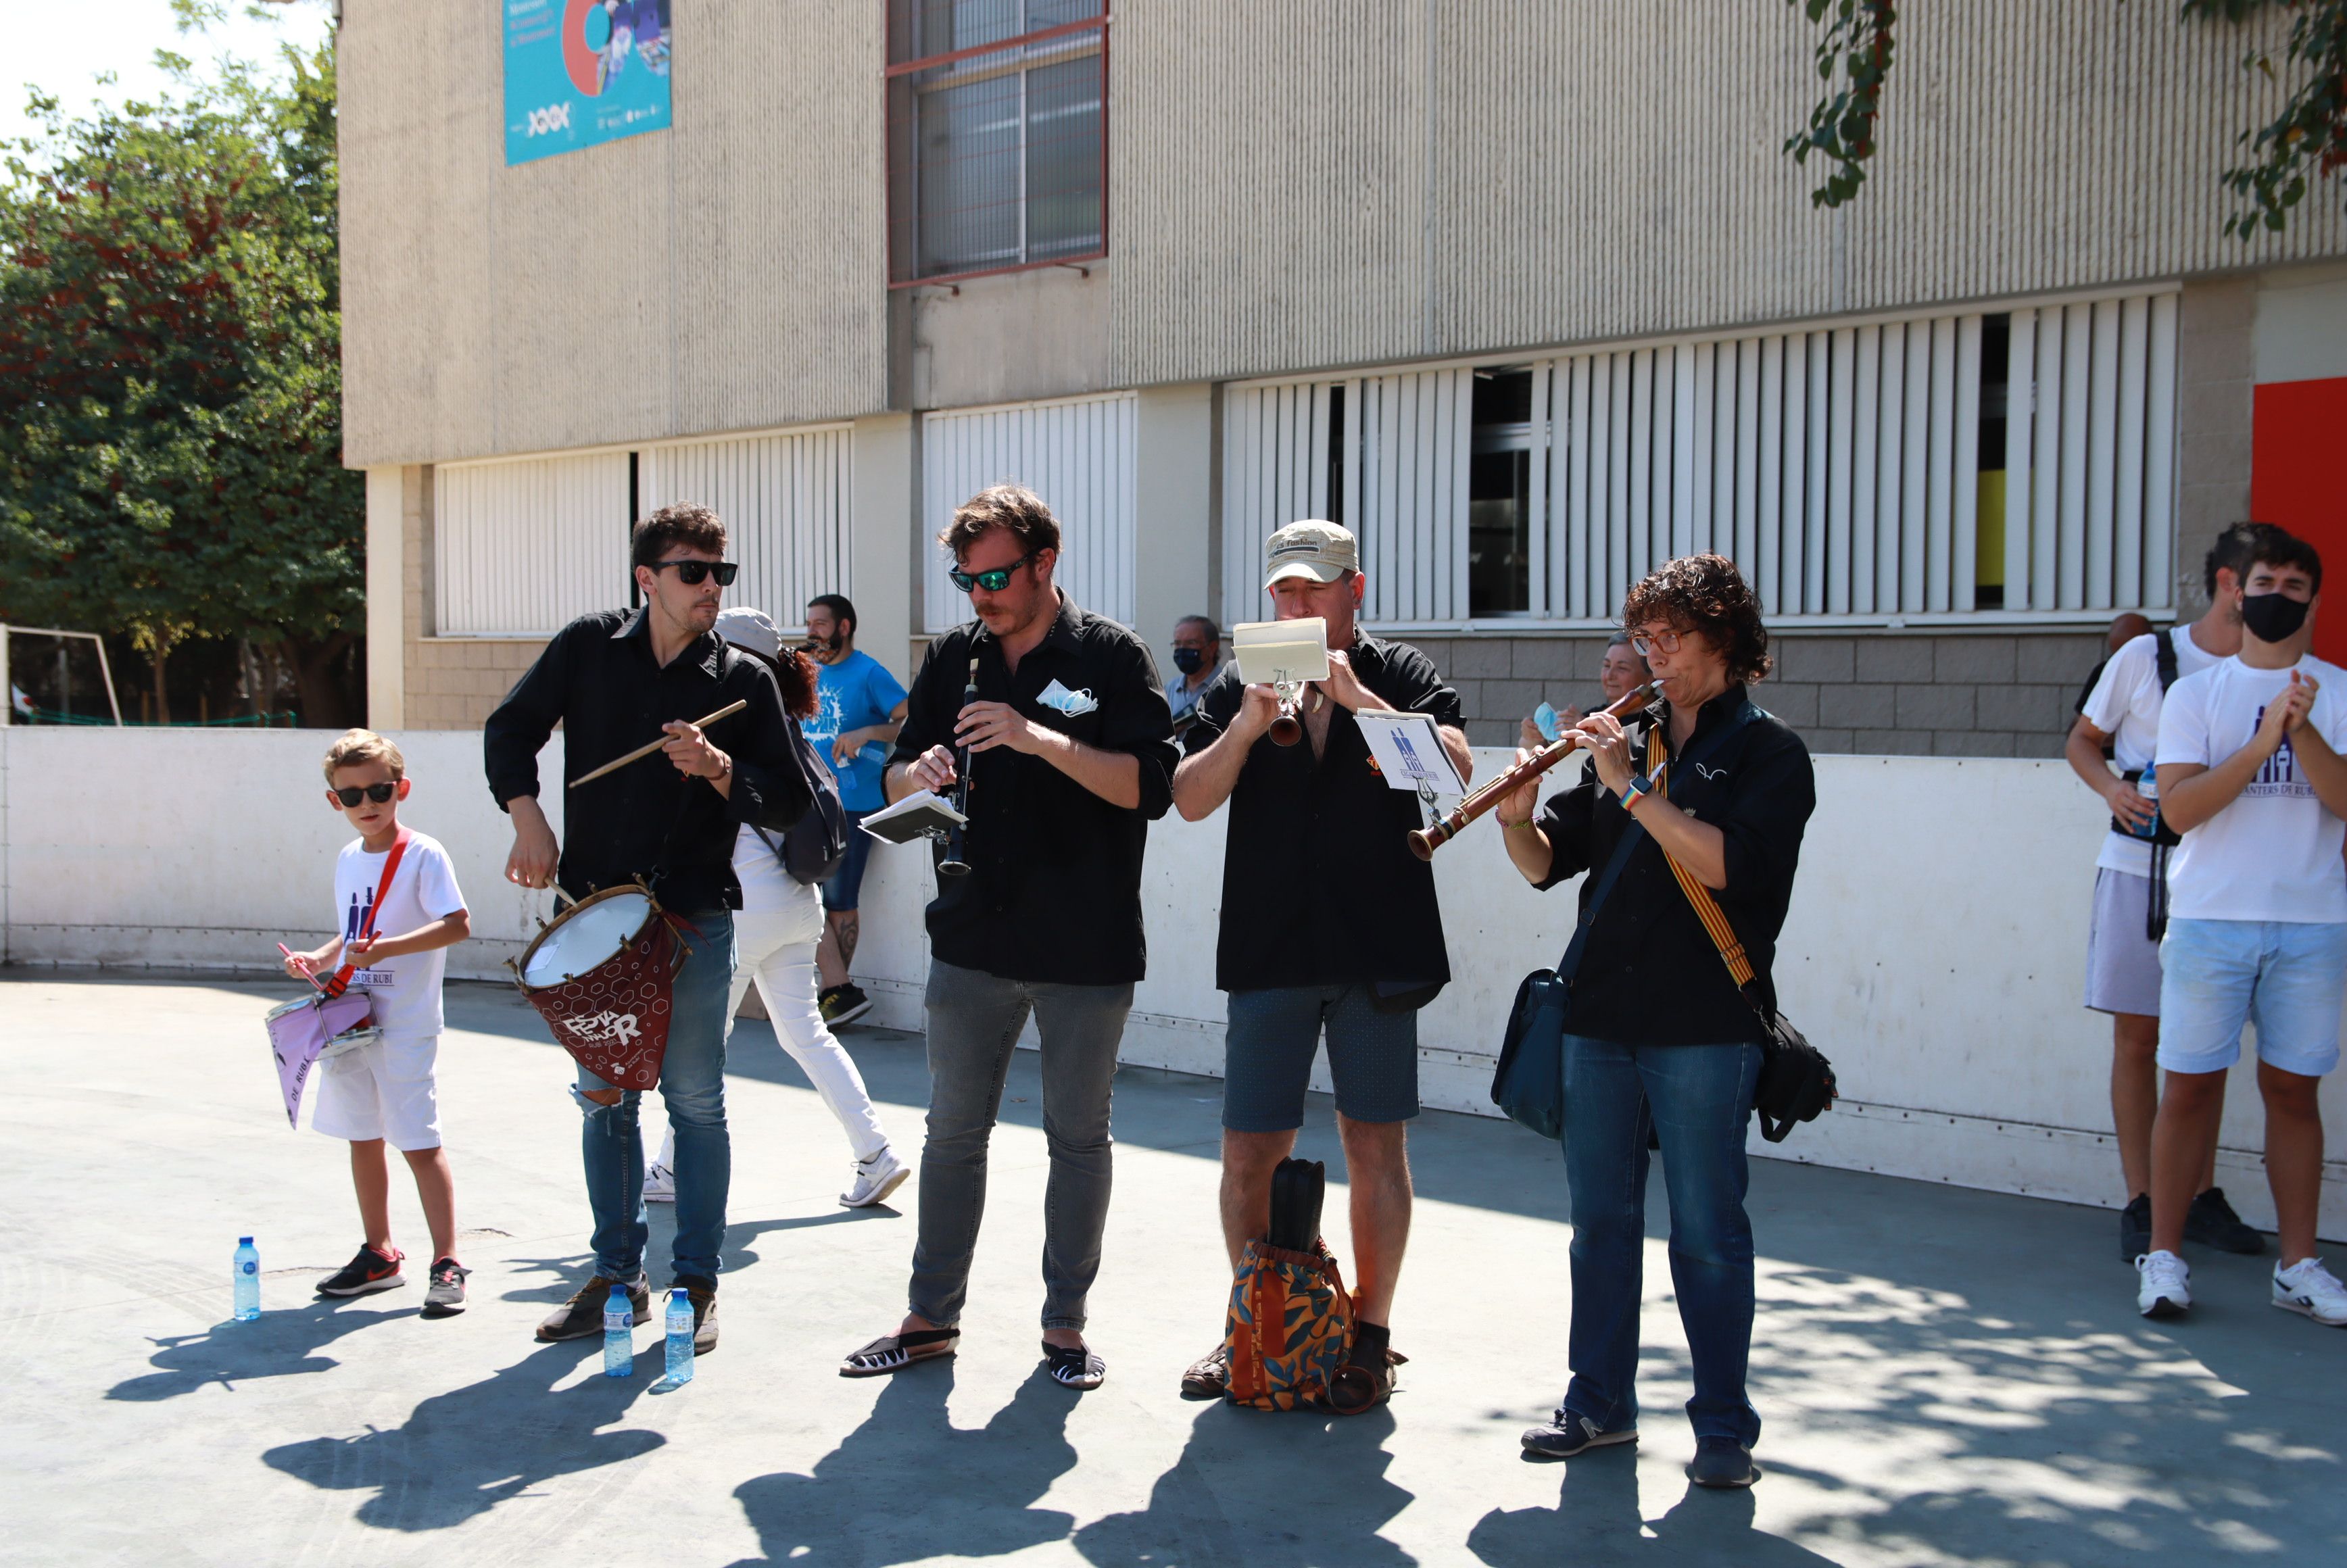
x,y
521,548
1079,453
786,505
2017,465
997,137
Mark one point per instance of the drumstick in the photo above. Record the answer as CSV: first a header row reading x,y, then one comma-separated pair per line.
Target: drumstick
x,y
616,763
305,973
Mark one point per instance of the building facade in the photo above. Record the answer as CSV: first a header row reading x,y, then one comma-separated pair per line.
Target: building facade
x,y
1527,296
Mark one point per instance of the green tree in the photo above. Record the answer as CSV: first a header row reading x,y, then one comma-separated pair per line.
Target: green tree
x,y
170,391
2307,139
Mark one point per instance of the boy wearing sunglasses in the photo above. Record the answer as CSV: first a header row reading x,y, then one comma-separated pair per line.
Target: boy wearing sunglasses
x,y
384,1091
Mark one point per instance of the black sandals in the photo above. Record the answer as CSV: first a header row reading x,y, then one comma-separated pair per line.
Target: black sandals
x,y
894,1352
1074,1367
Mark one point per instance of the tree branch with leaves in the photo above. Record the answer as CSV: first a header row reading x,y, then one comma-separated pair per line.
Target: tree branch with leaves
x,y
2307,142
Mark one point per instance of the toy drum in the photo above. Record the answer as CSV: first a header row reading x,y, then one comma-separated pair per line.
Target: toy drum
x,y
601,975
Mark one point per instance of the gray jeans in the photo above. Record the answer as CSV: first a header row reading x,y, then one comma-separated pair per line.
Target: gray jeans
x,y
974,1021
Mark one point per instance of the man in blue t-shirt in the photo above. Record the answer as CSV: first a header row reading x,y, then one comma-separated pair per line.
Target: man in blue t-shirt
x,y
860,708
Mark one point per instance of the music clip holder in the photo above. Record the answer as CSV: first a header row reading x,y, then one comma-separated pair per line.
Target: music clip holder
x,y
921,814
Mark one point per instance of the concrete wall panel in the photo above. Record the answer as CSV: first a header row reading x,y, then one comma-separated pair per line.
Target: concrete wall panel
x,y
1298,186
727,274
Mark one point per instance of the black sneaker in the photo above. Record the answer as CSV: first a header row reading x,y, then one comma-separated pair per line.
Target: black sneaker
x,y
703,1297
445,1298
1722,1461
2135,1228
583,1314
2211,1222
1568,1434
842,1004
367,1272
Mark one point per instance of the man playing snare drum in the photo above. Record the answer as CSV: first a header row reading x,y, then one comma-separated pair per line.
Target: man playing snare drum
x,y
615,681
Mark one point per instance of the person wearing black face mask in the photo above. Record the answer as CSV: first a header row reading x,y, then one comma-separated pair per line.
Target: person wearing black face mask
x,y
1197,654
2250,774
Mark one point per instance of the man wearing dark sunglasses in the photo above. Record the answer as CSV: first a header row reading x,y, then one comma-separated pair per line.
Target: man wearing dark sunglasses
x,y
615,681
1071,755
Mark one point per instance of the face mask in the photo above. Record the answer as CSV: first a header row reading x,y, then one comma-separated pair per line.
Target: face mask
x,y
1189,661
2272,616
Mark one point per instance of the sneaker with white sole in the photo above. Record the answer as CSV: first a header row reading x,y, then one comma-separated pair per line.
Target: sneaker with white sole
x,y
2164,1286
367,1272
445,1297
2308,1288
876,1178
659,1185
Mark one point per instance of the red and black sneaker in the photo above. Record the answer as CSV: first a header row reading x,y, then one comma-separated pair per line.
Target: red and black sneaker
x,y
367,1272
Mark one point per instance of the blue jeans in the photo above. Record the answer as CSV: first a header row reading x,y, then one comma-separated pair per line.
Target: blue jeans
x,y
693,1084
974,1022
1698,1098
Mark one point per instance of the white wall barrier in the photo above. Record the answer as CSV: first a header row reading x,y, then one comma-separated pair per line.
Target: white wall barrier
x,y
1935,950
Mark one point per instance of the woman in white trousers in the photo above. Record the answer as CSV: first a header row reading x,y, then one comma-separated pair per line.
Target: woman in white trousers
x,y
775,936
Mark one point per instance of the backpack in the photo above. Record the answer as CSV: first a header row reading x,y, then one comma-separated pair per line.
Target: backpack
x,y
814,846
1290,1322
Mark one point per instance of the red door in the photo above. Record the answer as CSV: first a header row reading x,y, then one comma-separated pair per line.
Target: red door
x,y
2298,478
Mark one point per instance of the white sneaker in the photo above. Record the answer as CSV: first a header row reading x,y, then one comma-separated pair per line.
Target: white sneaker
x,y
2307,1286
876,1178
2163,1287
659,1185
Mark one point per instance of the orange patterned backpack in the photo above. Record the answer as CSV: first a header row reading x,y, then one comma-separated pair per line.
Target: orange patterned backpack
x,y
1290,1321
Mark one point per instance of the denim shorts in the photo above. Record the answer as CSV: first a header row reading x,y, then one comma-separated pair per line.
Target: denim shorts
x,y
847,883
1274,1035
2287,976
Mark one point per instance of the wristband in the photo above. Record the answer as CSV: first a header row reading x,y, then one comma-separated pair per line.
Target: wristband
x,y
1639,786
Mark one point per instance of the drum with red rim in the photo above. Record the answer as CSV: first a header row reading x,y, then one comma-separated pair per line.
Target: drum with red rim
x,y
601,975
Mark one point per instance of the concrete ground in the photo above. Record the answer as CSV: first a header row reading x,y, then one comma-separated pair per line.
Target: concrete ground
x,y
1947,1376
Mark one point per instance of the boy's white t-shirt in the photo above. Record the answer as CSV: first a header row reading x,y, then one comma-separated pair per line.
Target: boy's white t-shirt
x,y
2273,854
405,990
2125,705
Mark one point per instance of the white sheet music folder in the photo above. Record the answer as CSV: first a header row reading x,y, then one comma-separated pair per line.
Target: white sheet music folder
x,y
916,817
1273,651
1409,752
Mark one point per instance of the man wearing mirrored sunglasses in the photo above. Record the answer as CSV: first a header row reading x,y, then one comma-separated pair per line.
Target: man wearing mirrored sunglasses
x,y
614,680
1071,756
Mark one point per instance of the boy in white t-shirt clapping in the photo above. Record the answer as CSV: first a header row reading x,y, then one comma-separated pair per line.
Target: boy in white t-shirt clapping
x,y
385,1090
2250,774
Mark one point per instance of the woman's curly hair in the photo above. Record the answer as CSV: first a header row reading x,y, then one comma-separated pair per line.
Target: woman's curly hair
x,y
1705,593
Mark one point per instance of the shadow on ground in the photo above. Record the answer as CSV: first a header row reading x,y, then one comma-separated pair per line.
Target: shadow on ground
x,y
280,1344
462,1453
957,1491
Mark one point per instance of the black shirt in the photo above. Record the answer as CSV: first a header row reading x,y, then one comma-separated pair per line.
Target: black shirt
x,y
1053,891
1649,974
1319,887
599,680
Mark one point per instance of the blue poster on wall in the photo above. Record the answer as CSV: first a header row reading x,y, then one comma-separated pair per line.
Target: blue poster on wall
x,y
579,72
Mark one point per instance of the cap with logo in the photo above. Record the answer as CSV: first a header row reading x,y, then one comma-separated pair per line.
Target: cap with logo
x,y
746,628
1312,548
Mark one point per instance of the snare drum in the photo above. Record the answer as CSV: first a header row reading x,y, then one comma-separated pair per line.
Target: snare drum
x,y
600,974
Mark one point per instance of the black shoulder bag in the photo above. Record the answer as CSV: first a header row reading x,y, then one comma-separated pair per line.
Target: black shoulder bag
x,y
1797,1082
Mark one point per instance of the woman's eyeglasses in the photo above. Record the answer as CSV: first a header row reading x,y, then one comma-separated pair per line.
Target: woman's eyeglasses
x,y
1646,642
377,792
693,573
993,581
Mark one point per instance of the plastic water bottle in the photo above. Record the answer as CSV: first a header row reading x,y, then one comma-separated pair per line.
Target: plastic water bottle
x,y
244,1268
680,1338
2147,786
619,1335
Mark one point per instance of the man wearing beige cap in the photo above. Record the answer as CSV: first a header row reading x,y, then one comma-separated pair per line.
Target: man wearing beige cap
x,y
1328,924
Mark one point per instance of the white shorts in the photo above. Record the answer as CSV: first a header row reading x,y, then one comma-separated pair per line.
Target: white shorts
x,y
2122,960
381,1090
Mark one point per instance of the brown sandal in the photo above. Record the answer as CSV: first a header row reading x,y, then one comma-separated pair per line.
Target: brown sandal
x,y
1359,1389
1209,1376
